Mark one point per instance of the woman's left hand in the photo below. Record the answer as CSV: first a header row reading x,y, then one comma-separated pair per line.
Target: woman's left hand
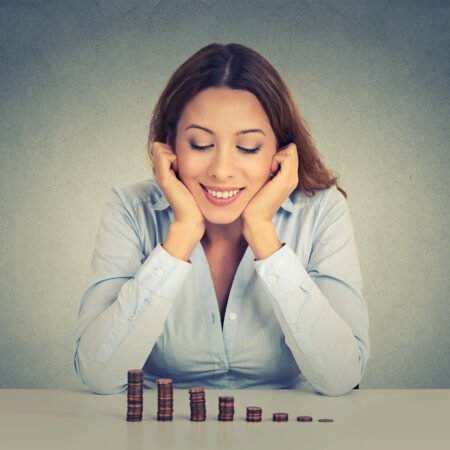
x,y
266,202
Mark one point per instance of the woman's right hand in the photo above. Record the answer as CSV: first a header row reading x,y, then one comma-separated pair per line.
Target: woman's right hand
x,y
183,204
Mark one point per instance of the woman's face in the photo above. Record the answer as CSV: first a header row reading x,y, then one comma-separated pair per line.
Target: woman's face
x,y
224,162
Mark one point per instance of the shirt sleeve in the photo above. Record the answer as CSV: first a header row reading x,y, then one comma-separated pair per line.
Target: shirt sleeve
x,y
320,308
126,302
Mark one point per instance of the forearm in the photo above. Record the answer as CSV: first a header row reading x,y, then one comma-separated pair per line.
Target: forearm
x,y
326,352
330,349
121,321
115,342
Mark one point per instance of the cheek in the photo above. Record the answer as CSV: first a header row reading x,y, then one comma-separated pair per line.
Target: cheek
x,y
258,170
188,164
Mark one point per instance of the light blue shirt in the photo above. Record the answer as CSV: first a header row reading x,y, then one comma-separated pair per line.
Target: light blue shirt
x,y
296,319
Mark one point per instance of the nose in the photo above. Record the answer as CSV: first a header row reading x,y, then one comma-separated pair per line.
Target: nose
x,y
221,165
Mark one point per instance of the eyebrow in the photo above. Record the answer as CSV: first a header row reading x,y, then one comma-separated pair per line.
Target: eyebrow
x,y
252,130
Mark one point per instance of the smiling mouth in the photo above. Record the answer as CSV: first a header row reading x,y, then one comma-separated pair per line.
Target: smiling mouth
x,y
223,190
220,199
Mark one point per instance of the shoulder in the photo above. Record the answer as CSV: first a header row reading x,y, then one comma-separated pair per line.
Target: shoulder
x,y
322,199
145,192
331,197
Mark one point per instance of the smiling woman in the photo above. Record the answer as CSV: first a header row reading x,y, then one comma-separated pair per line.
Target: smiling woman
x,y
236,267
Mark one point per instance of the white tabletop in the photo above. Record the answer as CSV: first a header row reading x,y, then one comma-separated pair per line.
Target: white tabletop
x,y
363,420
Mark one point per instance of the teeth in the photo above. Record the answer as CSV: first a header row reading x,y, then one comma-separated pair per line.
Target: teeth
x,y
226,194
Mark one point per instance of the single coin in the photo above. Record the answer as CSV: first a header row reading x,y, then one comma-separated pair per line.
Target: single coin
x,y
197,390
326,420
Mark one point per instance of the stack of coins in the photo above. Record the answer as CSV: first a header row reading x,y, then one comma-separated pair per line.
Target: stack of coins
x,y
304,419
254,414
198,404
280,417
165,399
135,395
226,409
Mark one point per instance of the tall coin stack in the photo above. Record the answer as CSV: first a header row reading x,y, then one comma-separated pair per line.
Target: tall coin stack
x,y
135,395
226,409
165,399
254,414
198,404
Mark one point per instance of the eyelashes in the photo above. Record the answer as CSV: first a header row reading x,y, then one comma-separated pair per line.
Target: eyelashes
x,y
242,149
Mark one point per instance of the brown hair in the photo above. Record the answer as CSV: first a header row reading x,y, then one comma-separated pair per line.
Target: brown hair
x,y
239,67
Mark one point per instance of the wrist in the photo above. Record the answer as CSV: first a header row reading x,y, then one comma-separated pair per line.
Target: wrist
x,y
181,240
262,238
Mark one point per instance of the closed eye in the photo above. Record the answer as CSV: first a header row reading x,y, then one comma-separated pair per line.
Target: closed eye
x,y
206,147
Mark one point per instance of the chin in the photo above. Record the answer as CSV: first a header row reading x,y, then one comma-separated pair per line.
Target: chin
x,y
224,218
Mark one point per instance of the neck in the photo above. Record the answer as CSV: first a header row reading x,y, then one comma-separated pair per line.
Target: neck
x,y
224,236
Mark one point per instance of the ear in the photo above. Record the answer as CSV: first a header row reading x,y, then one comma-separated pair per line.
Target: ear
x,y
275,165
175,166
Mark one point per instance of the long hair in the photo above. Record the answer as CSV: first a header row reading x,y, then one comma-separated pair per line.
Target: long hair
x,y
239,67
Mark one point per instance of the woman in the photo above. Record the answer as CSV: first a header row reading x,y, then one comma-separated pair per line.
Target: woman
x,y
237,266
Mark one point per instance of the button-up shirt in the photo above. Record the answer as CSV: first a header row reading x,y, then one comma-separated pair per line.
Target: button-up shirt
x,y
296,319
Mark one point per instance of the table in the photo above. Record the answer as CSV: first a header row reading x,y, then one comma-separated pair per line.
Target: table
x,y
365,419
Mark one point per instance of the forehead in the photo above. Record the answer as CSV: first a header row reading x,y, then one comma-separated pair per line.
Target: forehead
x,y
225,110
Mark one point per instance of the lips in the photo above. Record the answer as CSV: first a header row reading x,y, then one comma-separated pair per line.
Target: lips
x,y
219,189
217,201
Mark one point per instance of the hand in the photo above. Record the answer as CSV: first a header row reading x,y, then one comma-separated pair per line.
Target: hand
x,y
165,169
266,202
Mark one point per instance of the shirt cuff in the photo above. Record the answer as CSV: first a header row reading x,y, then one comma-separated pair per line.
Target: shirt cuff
x,y
163,274
282,272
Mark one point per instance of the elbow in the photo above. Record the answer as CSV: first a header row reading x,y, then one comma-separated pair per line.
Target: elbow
x,y
98,386
337,387
335,391
96,378
345,380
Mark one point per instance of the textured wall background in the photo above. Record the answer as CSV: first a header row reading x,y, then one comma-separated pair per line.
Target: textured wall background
x,y
79,80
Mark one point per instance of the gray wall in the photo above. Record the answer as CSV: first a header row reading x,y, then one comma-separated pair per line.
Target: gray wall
x,y
79,80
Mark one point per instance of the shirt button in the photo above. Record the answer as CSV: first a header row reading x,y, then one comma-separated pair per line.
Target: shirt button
x,y
232,316
159,272
296,328
273,279
222,365
131,316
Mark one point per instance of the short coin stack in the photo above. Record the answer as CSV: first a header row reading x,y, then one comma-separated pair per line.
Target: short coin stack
x,y
135,395
165,399
304,419
226,409
254,414
280,417
198,404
